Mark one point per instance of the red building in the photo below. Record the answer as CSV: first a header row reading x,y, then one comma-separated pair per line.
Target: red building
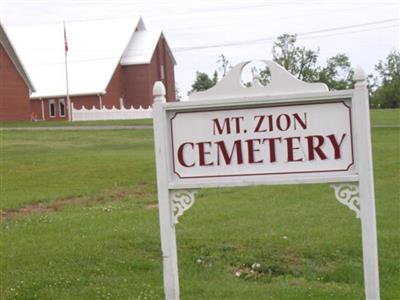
x,y
110,63
15,85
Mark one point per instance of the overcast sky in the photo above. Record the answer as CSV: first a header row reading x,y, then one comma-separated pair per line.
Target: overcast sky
x,y
198,31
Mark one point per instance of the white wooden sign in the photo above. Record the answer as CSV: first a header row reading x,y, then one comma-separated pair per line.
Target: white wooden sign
x,y
287,132
292,139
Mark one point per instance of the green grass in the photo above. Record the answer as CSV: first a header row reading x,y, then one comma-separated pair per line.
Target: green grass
x,y
385,117
19,124
378,117
105,243
45,166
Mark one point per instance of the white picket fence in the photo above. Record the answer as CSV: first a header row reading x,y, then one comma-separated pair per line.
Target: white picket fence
x,y
92,114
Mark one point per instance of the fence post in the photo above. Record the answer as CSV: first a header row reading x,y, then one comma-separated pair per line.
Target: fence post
x,y
71,112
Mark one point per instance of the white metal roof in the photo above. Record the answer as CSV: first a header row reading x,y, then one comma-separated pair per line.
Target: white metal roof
x,y
140,48
95,49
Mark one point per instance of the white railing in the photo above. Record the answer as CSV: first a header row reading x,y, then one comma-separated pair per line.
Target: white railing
x,y
91,114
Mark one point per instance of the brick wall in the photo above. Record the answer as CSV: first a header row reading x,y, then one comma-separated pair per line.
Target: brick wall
x,y
136,85
114,89
39,114
14,93
161,57
88,101
138,80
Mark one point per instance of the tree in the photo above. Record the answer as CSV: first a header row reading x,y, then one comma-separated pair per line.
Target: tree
x,y
224,64
299,61
178,93
203,81
302,63
390,69
338,74
262,75
265,76
387,92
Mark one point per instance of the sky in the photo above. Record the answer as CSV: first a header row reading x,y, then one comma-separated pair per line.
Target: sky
x,y
199,31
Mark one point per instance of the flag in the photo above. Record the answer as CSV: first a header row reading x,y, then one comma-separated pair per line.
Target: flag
x,y
65,40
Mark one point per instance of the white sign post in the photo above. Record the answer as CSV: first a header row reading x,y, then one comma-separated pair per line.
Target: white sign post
x,y
289,132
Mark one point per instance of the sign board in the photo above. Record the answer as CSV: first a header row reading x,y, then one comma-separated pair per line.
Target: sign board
x,y
262,141
287,132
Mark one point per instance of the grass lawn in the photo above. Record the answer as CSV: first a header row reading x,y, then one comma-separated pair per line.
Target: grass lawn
x,y
76,123
385,117
378,117
95,234
45,166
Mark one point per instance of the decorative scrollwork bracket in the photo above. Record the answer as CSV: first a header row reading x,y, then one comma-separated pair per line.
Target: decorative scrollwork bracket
x,y
348,194
181,201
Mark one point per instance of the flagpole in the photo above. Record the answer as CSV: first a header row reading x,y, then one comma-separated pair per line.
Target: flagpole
x,y
66,74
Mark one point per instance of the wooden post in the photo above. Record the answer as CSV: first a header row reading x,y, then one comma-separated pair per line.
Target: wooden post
x,y
366,187
167,226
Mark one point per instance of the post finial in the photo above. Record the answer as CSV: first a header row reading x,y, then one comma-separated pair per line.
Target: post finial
x,y
159,92
359,74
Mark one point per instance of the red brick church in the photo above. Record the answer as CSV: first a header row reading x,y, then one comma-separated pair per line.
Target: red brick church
x,y
15,84
111,63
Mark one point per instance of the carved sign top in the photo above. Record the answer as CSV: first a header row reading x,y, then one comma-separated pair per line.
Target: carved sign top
x,y
282,82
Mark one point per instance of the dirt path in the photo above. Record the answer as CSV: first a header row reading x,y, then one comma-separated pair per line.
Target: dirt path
x,y
57,205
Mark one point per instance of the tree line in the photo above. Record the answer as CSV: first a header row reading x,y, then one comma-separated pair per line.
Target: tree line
x,y
337,73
